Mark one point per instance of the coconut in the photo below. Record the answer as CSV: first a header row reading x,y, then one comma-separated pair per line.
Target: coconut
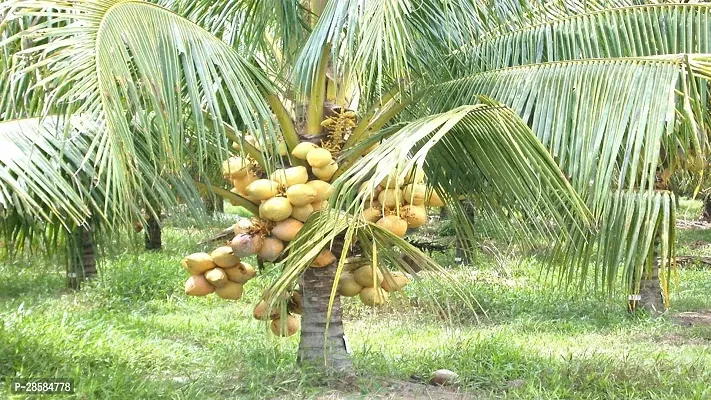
x,y
347,285
271,249
235,167
373,296
243,225
260,310
416,175
371,214
295,305
197,263
275,209
323,189
245,245
291,326
390,181
319,158
241,183
231,291
301,194
217,277
325,173
390,198
262,189
302,213
394,224
287,229
368,194
415,194
415,216
302,150
241,273
281,149
290,176
319,205
434,200
324,259
197,285
394,281
224,257
364,276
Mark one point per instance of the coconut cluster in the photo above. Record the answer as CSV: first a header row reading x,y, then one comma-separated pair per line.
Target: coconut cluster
x,y
370,284
280,325
221,272
398,204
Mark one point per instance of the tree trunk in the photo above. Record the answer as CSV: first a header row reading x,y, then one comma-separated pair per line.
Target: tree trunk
x,y
81,258
322,350
706,213
219,204
650,297
210,202
153,234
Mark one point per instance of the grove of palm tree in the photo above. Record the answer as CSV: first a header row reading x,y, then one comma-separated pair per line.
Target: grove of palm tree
x,y
409,186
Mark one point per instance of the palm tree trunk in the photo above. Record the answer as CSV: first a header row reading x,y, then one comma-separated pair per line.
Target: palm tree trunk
x,y
322,348
706,213
210,202
81,257
153,233
650,297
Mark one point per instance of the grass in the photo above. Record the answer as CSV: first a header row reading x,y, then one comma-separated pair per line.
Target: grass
x,y
132,334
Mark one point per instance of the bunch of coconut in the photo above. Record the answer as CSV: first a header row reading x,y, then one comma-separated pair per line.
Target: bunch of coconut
x,y
369,283
221,272
398,204
285,325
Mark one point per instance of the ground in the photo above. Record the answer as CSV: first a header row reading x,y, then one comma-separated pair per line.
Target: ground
x,y
133,334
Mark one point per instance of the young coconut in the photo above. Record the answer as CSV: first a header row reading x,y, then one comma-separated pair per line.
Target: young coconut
x,y
302,213
302,150
415,216
371,214
241,183
262,189
347,285
323,189
327,172
414,194
291,326
394,281
230,291
324,259
271,249
275,209
394,224
290,176
301,194
245,245
287,229
416,175
217,277
373,296
260,310
390,198
241,273
224,257
434,200
197,285
198,263
235,167
319,205
364,276
243,225
319,158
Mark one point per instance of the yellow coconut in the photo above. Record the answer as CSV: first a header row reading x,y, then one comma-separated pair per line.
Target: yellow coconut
x,y
394,224
373,296
390,181
235,167
290,176
287,229
301,194
262,189
347,285
369,194
323,189
372,214
260,312
281,149
197,263
271,249
325,173
302,150
414,194
434,200
224,257
319,205
241,273
364,276
324,258
217,277
290,326
319,158
243,225
245,245
390,198
295,305
275,209
415,216
394,281
197,285
231,291
302,213
416,175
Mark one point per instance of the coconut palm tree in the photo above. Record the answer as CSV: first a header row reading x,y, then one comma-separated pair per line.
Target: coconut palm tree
x,y
492,98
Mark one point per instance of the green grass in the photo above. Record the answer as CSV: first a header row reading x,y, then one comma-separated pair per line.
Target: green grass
x,y
132,334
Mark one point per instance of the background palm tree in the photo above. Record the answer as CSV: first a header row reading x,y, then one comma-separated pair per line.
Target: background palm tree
x,y
166,85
